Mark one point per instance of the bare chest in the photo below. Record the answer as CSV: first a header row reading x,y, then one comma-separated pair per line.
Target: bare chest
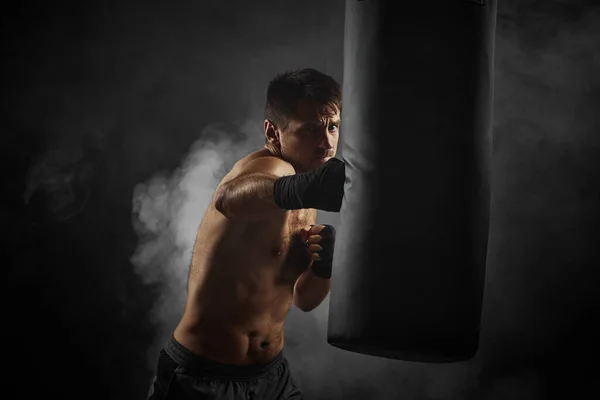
x,y
300,219
276,249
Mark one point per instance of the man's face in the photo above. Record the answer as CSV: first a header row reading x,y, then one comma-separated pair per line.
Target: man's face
x,y
311,137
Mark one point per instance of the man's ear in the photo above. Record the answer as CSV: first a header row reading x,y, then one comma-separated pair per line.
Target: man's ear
x,y
271,133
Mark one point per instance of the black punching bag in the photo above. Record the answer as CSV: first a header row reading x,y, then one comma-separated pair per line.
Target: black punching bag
x,y
416,137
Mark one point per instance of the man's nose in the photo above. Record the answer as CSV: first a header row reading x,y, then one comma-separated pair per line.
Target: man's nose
x,y
325,140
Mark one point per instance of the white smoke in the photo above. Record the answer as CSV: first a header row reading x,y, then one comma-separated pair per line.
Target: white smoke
x,y
167,210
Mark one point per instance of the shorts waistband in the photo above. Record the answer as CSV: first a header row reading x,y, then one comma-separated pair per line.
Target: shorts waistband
x,y
200,365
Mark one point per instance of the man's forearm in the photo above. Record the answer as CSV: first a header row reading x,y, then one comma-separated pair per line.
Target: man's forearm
x,y
310,290
249,198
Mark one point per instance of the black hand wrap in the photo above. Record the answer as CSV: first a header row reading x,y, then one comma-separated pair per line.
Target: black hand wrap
x,y
322,188
322,268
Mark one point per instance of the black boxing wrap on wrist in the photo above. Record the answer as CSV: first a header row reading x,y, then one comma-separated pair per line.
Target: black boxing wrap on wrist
x,y
323,267
289,192
321,188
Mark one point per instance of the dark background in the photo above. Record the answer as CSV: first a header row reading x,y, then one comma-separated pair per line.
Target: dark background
x,y
119,117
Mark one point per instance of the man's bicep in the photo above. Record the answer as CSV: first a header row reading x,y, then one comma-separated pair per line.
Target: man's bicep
x,y
247,191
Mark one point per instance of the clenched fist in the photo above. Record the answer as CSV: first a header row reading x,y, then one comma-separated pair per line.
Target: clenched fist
x,y
320,242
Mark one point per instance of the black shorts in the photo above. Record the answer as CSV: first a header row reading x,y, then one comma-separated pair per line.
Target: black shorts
x,y
182,375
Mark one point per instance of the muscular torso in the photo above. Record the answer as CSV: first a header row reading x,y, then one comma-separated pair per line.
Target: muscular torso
x,y
241,285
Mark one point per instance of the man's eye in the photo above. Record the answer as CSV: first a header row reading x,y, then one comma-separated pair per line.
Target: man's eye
x,y
333,128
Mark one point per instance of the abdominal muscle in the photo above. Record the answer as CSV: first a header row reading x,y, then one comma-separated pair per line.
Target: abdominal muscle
x,y
241,287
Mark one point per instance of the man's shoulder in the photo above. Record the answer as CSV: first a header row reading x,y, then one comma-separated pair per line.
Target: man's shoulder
x,y
262,161
258,161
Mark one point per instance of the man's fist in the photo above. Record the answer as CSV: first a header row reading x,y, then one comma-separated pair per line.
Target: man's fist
x,y
320,242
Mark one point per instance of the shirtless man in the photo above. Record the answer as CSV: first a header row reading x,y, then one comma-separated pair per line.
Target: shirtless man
x,y
258,250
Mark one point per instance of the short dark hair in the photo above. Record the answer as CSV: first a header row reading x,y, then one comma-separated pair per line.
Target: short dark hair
x,y
288,88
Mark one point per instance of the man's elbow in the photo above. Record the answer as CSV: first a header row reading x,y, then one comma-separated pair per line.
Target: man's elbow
x,y
305,303
220,197
305,307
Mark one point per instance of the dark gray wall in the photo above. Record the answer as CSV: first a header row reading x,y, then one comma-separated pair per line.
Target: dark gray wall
x,y
119,118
